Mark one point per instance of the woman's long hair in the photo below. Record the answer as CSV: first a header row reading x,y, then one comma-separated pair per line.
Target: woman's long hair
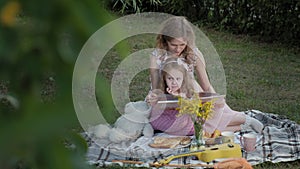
x,y
176,27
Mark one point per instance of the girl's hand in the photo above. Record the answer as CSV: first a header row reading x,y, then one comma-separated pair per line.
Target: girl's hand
x,y
172,92
175,93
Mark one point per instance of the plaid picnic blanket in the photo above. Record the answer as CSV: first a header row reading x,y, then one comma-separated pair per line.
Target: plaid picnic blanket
x,y
278,142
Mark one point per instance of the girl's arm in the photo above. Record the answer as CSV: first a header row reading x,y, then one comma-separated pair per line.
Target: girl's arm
x,y
157,95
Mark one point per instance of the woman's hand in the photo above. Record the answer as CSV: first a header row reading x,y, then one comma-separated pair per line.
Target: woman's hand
x,y
151,98
192,59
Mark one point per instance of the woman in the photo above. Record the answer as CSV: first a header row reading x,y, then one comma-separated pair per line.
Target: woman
x,y
177,39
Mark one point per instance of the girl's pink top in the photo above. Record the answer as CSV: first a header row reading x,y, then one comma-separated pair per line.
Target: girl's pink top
x,y
168,122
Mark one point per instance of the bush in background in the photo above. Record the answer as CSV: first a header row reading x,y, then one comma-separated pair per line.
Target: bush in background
x,y
272,20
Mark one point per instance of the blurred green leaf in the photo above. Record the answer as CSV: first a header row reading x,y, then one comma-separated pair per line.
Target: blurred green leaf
x,y
42,42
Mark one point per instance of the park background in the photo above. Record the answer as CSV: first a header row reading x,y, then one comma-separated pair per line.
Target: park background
x,y
257,40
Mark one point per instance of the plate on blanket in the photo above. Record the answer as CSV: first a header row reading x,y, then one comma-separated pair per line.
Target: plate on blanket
x,y
170,142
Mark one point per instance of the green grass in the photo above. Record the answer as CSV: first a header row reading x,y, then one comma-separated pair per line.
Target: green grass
x,y
259,75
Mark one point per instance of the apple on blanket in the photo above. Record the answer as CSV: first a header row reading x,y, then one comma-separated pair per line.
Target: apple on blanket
x,y
128,127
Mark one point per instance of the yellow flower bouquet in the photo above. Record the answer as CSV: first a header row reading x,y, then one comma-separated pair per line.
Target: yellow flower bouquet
x,y
198,110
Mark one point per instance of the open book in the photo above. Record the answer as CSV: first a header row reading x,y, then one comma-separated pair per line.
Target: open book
x,y
203,96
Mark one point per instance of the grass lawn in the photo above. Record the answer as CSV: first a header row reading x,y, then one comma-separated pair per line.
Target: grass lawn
x,y
259,75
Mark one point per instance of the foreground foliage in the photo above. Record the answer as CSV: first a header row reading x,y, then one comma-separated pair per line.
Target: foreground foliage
x,y
39,43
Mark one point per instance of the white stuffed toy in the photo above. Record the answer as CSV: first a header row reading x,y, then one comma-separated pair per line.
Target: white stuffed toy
x,y
128,127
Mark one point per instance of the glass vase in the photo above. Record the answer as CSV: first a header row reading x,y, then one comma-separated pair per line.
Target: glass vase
x,y
197,140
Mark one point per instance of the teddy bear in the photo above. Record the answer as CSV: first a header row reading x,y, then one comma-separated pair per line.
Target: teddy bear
x,y
128,127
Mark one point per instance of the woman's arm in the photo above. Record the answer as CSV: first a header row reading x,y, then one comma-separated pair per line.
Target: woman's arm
x,y
200,70
154,72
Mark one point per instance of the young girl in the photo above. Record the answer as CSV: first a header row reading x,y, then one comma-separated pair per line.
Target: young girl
x,y
177,39
174,80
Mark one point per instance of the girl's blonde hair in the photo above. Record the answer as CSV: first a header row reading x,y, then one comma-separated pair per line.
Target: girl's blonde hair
x,y
187,86
176,27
